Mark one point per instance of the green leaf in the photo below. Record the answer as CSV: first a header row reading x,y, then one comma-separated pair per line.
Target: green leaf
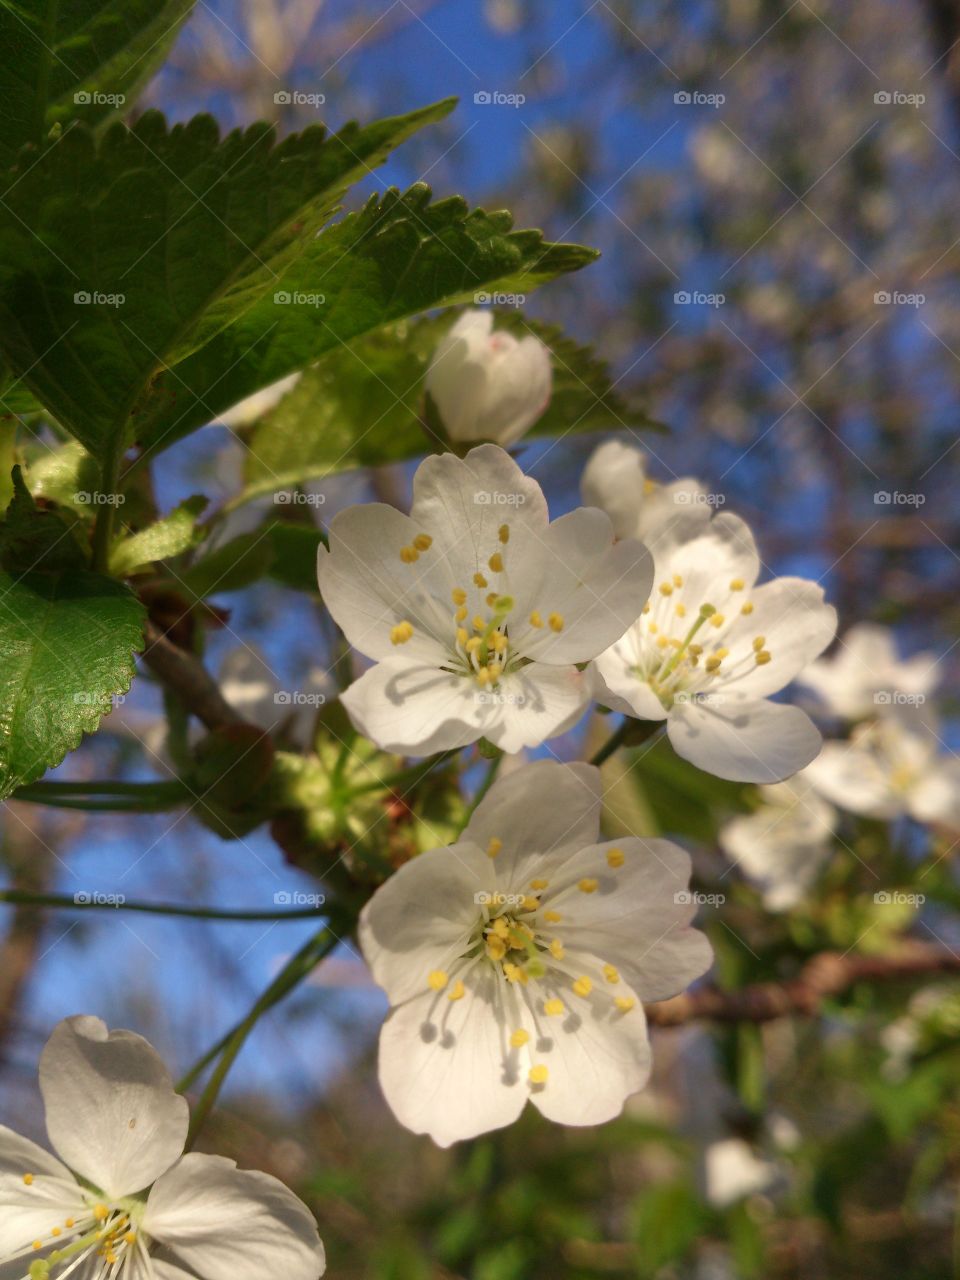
x,y
170,536
31,539
53,52
67,641
230,567
120,259
400,255
362,405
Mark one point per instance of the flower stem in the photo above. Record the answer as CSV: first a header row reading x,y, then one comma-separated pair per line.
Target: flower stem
x,y
15,897
615,741
103,528
123,797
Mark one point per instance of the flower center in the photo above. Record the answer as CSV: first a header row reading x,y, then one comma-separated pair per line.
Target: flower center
x,y
99,1240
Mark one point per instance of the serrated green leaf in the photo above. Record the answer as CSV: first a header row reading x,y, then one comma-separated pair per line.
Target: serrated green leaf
x,y
362,405
67,642
91,49
121,258
35,540
170,536
400,255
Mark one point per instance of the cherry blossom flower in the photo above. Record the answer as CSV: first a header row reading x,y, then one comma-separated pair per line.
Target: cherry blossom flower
x,y
475,608
615,480
517,960
711,645
122,1201
865,674
784,843
487,384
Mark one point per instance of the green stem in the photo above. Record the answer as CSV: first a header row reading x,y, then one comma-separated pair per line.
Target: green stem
x,y
412,775
103,528
489,779
16,897
147,789
102,804
229,1046
615,741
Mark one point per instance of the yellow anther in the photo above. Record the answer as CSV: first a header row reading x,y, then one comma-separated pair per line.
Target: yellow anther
x,y
717,620
473,644
101,1212
458,991
538,1074
28,1179
409,554
513,973
491,599
758,643
498,642
539,884
69,1222
747,608
763,657
737,584
552,917
494,845
130,1237
111,1258
503,533
681,610
624,1003
479,624
496,562
401,633
458,595
666,588
663,642
500,926
646,608
535,619
530,902
555,621
678,580
423,542
582,987
652,628
588,885
713,663
615,858
437,980
722,653
484,677
480,581
56,1232
460,614
553,1008
695,649
462,637
519,1038
38,1244
611,973
557,949
496,947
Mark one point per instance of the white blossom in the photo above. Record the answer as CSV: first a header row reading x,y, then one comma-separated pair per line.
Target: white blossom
x,y
615,480
865,674
710,647
475,608
517,960
487,384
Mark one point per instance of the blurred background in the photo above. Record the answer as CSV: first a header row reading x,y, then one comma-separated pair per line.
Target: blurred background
x,y
774,187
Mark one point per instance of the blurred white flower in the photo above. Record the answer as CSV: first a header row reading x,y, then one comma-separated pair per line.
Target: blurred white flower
x,y
253,688
782,846
709,648
124,1203
865,674
615,480
487,384
732,1171
475,608
517,959
247,411
891,767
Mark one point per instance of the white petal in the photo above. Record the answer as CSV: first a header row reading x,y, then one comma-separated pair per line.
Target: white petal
x,y
18,1155
638,916
745,741
30,1212
446,1067
224,1223
795,625
615,684
416,709
543,808
574,570
112,1113
536,702
615,480
708,555
421,918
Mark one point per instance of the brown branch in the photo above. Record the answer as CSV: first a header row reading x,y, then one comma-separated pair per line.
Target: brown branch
x,y
828,974
190,680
